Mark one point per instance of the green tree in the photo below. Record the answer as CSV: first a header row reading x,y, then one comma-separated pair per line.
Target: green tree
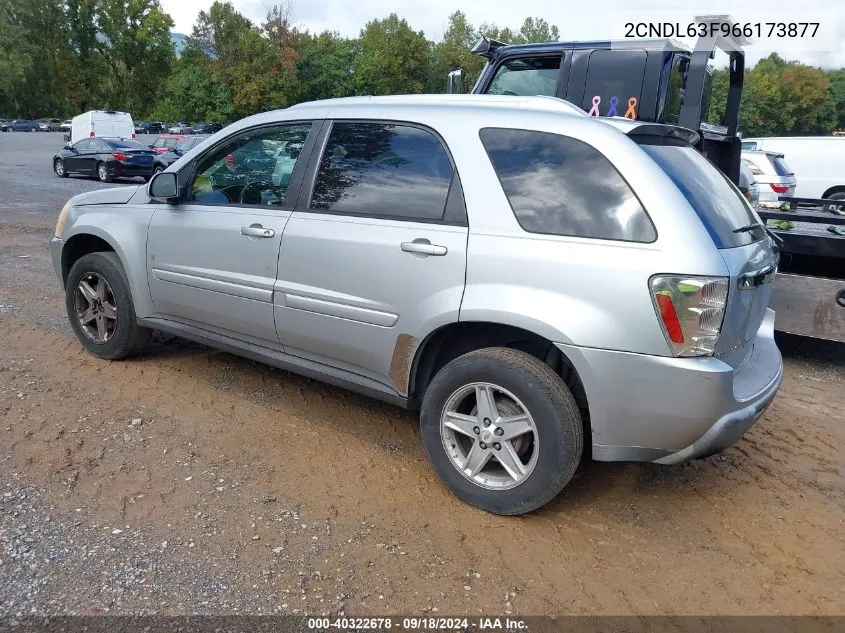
x,y
194,92
837,96
135,42
394,58
326,67
453,51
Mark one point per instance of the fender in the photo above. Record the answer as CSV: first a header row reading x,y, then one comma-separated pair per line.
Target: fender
x,y
126,233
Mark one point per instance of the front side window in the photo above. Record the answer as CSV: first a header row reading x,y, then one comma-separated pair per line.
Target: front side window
x,y
83,145
383,169
253,167
559,185
526,76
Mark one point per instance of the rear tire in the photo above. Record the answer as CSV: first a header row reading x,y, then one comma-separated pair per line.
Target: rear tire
x,y
123,337
522,388
103,173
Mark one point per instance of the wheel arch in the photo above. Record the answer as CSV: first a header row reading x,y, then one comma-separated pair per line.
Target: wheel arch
x,y
81,244
455,339
833,190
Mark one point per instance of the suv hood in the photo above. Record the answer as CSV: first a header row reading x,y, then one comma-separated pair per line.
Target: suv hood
x,y
113,195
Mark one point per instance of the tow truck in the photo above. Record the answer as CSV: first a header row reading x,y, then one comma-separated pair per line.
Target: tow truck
x,y
664,81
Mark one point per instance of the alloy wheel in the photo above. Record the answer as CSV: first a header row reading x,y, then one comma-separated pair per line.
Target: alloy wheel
x,y
489,436
96,309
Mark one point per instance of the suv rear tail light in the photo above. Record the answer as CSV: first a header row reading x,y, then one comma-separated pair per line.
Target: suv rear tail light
x,y
779,188
691,311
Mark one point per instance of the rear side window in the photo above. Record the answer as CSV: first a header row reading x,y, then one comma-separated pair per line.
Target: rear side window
x,y
614,73
383,169
720,205
526,76
781,168
558,185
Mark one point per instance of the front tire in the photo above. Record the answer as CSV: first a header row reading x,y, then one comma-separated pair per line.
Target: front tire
x,y
59,168
100,307
502,430
103,173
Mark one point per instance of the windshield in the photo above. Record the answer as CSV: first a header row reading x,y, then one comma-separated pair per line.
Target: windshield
x,y
721,207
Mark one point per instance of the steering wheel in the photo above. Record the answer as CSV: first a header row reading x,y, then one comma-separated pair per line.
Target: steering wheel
x,y
255,184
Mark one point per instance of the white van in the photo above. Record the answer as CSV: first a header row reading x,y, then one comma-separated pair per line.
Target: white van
x,y
102,123
816,160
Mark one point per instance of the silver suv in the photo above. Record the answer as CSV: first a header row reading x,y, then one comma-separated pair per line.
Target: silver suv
x,y
543,286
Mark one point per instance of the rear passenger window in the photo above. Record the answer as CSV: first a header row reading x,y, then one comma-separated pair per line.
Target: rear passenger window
x,y
558,185
383,169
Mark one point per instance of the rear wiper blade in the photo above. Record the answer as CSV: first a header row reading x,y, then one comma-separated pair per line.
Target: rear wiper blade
x,y
749,227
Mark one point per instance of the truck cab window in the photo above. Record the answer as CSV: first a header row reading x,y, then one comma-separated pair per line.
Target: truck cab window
x,y
526,76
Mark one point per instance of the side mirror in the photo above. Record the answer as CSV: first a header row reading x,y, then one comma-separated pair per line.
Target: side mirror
x,y
454,82
163,188
68,145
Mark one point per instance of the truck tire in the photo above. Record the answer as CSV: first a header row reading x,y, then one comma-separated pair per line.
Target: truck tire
x,y
502,430
100,308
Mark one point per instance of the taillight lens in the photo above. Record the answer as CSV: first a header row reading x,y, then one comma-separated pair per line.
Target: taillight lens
x,y
120,156
779,188
691,311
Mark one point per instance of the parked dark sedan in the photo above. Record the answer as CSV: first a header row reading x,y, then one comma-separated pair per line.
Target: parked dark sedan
x,y
165,160
105,158
20,125
150,127
207,128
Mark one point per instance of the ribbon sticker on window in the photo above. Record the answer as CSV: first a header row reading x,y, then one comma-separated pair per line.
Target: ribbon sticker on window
x,y
594,111
612,111
631,112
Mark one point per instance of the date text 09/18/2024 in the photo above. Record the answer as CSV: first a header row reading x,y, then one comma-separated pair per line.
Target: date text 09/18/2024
x,y
417,623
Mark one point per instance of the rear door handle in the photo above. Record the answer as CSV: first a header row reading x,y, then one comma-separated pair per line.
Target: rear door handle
x,y
424,247
256,230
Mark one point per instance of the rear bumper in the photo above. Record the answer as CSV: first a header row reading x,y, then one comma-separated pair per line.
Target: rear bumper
x,y
128,171
669,410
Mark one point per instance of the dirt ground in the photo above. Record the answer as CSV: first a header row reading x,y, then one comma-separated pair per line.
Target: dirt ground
x,y
192,481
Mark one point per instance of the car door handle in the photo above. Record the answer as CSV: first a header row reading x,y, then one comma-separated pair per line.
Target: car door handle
x,y
424,247
256,230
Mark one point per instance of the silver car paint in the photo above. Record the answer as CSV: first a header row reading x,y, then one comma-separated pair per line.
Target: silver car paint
x,y
373,302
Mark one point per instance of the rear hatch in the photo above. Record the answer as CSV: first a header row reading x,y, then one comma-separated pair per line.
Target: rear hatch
x,y
737,231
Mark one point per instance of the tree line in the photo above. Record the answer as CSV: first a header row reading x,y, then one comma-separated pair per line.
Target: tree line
x,y
62,57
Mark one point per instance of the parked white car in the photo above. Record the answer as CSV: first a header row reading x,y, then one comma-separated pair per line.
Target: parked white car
x,y
102,123
817,162
773,175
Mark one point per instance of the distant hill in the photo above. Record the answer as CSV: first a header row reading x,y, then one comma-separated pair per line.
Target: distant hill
x,y
179,42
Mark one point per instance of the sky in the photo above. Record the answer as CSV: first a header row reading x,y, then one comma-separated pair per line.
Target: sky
x,y
576,22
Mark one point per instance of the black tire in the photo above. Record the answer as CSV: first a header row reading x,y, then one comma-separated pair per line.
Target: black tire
x,y
158,170
546,397
831,208
103,173
128,338
146,178
59,168
33,129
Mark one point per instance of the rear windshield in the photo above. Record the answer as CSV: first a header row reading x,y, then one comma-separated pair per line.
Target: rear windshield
x,y
719,204
781,168
126,144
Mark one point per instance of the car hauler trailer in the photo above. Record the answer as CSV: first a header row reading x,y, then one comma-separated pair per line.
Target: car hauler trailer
x,y
809,293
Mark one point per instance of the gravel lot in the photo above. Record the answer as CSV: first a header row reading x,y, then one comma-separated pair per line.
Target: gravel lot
x,y
189,481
